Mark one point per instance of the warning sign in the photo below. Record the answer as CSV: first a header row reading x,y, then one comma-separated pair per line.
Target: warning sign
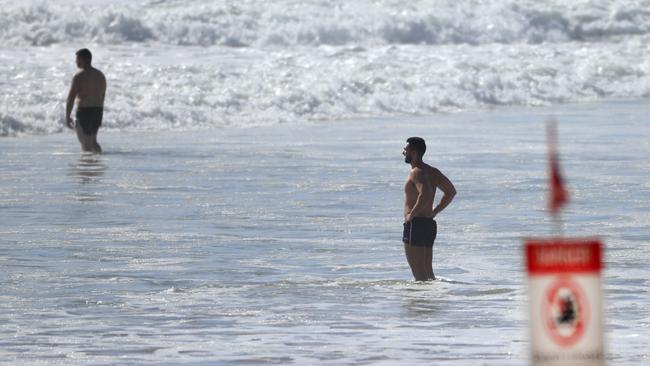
x,y
565,301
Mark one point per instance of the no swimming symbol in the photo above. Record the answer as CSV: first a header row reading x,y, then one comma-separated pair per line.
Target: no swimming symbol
x,y
564,301
565,311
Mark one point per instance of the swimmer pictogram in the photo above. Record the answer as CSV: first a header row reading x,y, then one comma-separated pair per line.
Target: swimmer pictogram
x,y
566,312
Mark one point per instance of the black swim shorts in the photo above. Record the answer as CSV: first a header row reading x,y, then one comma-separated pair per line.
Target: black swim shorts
x,y
420,232
90,118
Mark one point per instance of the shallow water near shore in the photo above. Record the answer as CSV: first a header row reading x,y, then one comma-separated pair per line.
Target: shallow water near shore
x,y
281,245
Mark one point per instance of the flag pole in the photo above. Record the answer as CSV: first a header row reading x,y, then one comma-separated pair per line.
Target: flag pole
x,y
558,194
558,225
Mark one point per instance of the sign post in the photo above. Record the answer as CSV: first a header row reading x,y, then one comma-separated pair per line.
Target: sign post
x,y
565,301
564,288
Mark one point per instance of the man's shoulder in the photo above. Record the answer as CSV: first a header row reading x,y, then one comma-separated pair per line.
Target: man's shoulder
x,y
431,169
84,73
433,174
93,71
417,173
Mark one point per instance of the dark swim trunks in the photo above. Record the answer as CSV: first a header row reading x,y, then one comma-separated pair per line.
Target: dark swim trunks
x,y
90,118
420,232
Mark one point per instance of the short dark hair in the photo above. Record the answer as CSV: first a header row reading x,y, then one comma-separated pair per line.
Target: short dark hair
x,y
85,54
417,144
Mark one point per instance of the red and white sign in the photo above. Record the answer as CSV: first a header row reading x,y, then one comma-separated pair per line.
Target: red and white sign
x,y
565,301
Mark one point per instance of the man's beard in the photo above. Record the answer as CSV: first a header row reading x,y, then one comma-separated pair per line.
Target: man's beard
x,y
407,159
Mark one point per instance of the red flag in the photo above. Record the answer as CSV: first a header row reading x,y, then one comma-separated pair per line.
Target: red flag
x,y
558,194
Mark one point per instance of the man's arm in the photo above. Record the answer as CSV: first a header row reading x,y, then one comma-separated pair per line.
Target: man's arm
x,y
72,94
448,190
425,193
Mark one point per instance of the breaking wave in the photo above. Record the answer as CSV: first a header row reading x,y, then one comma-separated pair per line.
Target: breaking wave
x,y
313,23
202,64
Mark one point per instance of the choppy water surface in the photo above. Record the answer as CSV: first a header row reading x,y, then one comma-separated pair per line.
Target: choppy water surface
x,y
282,245
197,64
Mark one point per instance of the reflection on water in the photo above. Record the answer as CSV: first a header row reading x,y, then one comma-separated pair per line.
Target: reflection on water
x,y
424,303
89,170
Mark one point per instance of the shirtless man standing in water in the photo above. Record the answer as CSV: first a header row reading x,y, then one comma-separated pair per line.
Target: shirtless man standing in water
x,y
88,87
420,228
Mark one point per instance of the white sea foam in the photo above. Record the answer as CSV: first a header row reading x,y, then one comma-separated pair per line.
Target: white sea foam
x,y
258,23
196,64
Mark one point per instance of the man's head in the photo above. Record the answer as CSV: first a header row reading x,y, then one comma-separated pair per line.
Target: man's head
x,y
414,149
84,58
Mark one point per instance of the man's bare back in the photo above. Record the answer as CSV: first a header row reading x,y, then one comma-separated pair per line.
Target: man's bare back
x,y
90,85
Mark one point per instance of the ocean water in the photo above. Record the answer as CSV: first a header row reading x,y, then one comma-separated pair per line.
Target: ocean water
x,y
179,65
247,209
281,245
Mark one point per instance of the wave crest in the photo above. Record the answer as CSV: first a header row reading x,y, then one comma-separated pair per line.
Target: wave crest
x,y
315,23
175,88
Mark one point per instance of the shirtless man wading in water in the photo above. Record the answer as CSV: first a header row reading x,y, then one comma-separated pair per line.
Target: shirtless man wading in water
x,y
88,87
420,228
